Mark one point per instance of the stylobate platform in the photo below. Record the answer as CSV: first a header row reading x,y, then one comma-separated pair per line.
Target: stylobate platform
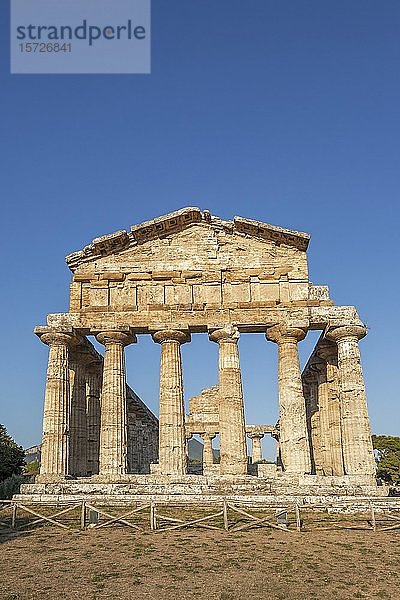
x,y
309,488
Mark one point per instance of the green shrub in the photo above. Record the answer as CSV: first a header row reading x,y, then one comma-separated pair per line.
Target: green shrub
x,y
10,486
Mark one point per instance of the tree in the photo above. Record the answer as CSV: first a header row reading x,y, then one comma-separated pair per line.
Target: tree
x,y
387,453
32,468
11,455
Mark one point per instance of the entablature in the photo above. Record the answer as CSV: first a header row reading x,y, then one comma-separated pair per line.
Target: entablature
x,y
247,320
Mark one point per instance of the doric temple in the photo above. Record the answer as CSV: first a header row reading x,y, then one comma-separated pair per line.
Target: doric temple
x,y
191,272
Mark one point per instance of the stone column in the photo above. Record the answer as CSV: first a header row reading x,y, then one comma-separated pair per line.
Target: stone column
x,y
256,449
232,434
113,421
55,441
93,388
172,440
358,455
310,391
324,434
78,425
334,430
208,457
292,411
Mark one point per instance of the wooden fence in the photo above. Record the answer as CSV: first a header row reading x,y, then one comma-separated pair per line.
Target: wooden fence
x,y
223,514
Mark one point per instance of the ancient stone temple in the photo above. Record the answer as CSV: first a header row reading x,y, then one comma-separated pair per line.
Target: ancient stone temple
x,y
191,272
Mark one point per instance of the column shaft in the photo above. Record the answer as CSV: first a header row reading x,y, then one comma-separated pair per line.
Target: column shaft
x,y
256,449
55,442
78,425
310,393
324,422
208,458
93,387
113,421
335,428
292,412
232,434
172,438
358,453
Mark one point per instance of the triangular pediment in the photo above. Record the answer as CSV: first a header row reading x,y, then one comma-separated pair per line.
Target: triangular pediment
x,y
190,259
174,224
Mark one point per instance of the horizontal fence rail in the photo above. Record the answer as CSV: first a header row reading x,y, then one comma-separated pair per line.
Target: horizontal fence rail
x,y
225,515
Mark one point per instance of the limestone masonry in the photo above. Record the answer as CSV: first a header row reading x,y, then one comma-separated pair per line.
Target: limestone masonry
x,y
190,272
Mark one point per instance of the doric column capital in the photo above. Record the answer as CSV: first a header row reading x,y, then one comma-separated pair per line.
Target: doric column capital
x,y
255,435
122,338
230,333
347,331
171,335
283,333
59,338
207,435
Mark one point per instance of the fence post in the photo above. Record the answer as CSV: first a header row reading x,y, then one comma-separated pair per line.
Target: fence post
x,y
152,515
83,515
14,516
373,521
226,523
298,519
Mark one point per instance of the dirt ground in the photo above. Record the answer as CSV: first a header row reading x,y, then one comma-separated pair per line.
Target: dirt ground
x,y
118,563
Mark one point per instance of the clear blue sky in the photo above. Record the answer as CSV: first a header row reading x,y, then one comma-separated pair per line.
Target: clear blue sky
x,y
283,111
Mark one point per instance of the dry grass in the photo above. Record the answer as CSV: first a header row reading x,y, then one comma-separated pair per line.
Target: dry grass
x,y
118,563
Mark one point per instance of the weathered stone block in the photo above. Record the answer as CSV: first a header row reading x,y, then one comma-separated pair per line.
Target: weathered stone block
x,y
207,293
75,296
235,292
112,276
298,290
150,294
98,296
181,294
161,275
139,276
85,277
123,295
261,292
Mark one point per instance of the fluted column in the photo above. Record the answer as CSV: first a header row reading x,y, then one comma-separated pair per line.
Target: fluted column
x,y
292,411
78,425
256,449
310,391
93,389
208,457
55,441
172,439
358,453
332,422
113,421
232,434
